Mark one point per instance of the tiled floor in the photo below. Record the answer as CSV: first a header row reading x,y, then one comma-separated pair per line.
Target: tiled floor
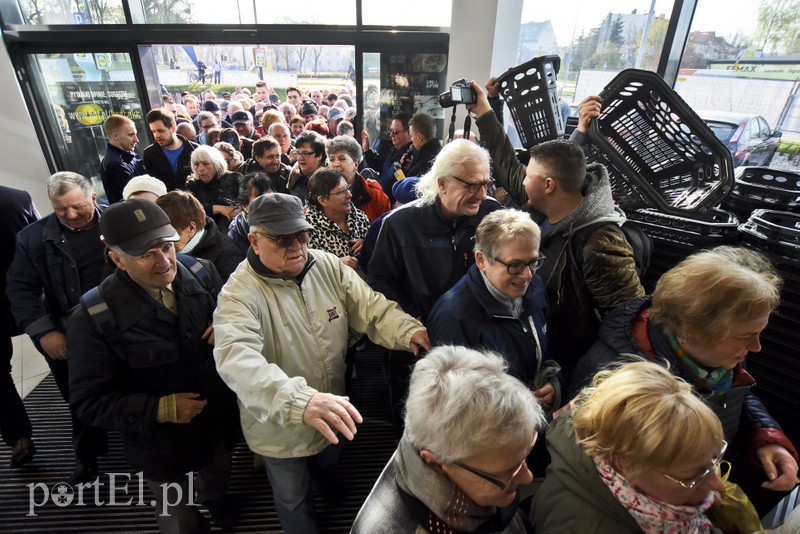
x,y
28,366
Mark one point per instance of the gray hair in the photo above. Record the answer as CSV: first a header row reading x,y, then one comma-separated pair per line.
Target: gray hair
x,y
345,128
345,143
502,226
451,161
204,115
63,182
276,125
462,402
209,153
289,106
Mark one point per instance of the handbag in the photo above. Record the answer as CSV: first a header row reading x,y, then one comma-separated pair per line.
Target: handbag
x,y
733,513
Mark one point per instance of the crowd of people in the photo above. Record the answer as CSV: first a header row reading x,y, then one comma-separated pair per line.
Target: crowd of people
x,y
224,287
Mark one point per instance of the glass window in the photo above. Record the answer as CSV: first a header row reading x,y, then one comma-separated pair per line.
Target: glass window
x,y
408,13
77,12
738,62
595,40
79,92
340,12
232,68
401,82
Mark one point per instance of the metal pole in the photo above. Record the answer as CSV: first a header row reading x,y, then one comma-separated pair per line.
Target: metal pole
x,y
643,44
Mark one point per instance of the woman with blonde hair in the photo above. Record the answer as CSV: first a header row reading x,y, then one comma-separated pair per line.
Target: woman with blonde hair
x,y
703,319
636,453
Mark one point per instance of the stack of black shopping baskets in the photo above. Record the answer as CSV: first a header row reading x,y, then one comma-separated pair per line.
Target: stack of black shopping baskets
x,y
671,175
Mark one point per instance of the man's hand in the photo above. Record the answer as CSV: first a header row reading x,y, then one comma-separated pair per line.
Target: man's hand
x,y
350,261
209,334
228,211
588,109
492,87
330,413
54,345
780,467
187,406
481,106
545,394
420,340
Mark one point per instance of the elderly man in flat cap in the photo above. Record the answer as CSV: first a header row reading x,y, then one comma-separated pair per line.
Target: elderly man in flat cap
x,y
141,363
281,327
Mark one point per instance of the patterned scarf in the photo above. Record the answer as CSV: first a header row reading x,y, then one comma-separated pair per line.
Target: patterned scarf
x,y
720,379
653,515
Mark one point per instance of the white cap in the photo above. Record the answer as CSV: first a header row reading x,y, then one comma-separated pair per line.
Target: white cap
x,y
145,182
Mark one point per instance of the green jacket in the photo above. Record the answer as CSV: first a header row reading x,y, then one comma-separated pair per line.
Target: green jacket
x,y
573,498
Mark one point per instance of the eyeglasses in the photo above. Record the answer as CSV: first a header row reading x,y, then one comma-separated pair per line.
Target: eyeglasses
x,y
392,131
517,267
305,154
689,484
342,193
286,241
489,478
475,187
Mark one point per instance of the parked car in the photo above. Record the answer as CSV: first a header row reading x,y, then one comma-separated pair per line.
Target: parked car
x,y
749,137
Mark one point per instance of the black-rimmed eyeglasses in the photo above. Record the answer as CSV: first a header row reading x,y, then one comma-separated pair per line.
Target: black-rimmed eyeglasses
x,y
476,186
287,240
516,267
689,484
489,478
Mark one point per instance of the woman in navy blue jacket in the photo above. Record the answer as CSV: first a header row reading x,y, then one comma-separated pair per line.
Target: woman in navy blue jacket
x,y
501,304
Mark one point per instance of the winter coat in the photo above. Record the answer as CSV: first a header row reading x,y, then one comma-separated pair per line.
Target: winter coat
x,y
469,315
220,190
116,382
116,170
419,254
738,409
215,247
279,341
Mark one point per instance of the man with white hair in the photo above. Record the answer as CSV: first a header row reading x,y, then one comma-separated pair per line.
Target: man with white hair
x,y
281,329
469,430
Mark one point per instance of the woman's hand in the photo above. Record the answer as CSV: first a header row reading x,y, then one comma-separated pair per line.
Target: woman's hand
x,y
780,467
356,245
227,211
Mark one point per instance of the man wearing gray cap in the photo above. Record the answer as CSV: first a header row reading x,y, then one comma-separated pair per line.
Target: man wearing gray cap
x,y
141,363
282,327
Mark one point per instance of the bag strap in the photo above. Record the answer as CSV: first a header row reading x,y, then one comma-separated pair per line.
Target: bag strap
x,y
196,267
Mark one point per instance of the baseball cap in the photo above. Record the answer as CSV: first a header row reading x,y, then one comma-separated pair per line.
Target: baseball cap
x,y
241,117
136,225
405,191
274,98
335,114
210,105
279,213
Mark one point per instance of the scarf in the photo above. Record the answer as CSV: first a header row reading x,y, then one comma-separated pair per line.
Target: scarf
x,y
720,379
189,246
436,503
653,515
513,305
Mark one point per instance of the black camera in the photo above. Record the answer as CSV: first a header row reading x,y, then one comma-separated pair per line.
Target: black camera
x,y
461,92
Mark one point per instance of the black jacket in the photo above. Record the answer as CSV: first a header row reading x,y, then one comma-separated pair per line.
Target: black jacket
x,y
116,382
423,158
16,212
419,254
221,191
43,280
116,169
219,250
280,179
157,164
